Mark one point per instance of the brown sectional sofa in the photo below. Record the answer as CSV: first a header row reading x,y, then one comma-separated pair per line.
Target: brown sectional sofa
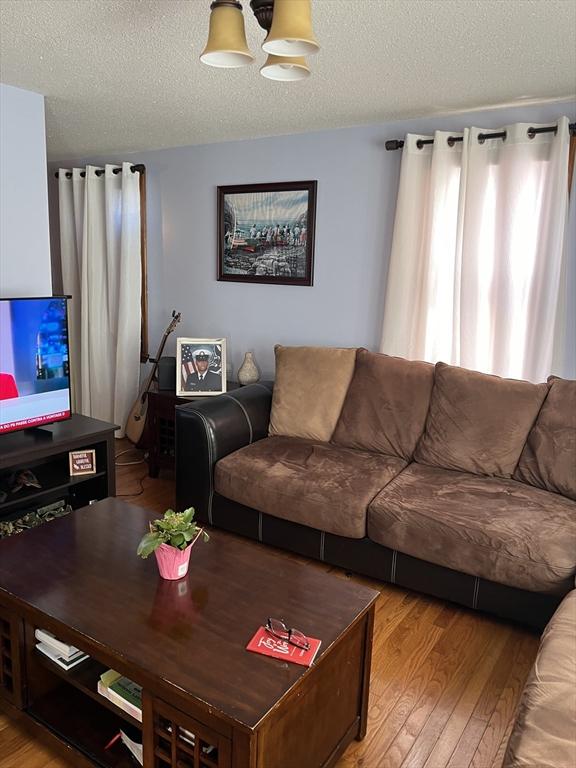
x,y
544,733
437,478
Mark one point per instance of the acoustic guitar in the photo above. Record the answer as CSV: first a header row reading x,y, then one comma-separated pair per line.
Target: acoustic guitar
x,y
137,418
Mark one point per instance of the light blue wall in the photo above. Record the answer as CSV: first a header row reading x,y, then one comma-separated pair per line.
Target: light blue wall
x,y
357,186
24,242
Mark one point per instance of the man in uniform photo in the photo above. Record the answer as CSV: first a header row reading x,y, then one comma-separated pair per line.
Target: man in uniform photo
x,y
203,380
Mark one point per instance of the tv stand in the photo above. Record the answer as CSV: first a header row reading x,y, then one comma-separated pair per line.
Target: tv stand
x,y
45,452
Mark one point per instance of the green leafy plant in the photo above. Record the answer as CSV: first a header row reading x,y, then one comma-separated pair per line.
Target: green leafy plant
x,y
177,529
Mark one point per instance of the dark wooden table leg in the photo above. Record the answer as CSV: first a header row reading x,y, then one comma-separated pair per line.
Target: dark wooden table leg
x,y
366,676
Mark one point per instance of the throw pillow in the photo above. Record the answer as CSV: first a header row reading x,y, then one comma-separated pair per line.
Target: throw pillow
x,y
477,422
386,405
309,390
549,456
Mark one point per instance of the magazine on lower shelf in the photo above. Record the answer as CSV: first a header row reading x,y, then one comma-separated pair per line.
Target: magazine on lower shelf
x,y
58,646
133,746
121,691
62,661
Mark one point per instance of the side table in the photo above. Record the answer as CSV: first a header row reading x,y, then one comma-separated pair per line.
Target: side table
x,y
160,427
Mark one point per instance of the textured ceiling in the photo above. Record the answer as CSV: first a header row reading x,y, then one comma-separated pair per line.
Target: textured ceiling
x,y
124,74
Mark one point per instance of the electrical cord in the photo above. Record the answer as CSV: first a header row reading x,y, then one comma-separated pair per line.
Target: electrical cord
x,y
137,493
129,463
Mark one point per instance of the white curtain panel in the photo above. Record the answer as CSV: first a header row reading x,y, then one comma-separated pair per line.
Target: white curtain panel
x,y
479,254
564,358
101,269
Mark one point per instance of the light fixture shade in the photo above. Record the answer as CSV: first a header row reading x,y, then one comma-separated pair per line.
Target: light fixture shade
x,y
285,68
291,33
226,46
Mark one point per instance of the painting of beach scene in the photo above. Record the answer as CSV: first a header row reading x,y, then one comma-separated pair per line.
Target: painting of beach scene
x,y
266,233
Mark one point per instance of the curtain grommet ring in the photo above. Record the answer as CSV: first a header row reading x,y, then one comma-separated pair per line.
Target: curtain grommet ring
x,y
531,133
451,141
419,144
481,139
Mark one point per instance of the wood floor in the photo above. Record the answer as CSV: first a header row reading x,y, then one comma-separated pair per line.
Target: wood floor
x,y
444,687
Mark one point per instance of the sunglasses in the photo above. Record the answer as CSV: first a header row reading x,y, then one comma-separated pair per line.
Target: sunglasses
x,y
277,628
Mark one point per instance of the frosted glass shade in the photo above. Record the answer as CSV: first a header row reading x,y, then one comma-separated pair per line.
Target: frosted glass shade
x,y
285,68
291,33
226,46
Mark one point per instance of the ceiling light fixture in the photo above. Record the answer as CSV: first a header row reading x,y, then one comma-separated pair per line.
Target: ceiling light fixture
x,y
290,37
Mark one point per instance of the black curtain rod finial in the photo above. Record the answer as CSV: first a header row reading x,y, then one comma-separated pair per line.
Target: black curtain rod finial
x,y
394,144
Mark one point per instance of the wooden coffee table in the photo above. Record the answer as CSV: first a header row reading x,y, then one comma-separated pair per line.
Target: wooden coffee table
x,y
184,643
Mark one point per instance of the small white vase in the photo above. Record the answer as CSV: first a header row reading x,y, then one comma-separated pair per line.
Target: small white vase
x,y
248,372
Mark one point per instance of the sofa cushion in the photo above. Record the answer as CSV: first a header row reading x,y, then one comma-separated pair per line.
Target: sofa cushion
x,y
309,390
544,732
386,405
499,530
478,423
549,456
308,482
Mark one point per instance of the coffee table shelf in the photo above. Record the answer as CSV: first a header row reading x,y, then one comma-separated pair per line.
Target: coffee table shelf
x,y
85,677
82,723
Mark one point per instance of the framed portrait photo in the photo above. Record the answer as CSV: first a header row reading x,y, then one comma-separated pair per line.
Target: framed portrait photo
x,y
266,233
200,367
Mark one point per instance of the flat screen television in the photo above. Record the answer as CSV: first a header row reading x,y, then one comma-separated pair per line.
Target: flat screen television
x,y
34,362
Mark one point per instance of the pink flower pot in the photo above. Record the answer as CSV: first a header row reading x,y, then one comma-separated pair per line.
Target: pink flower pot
x,y
173,562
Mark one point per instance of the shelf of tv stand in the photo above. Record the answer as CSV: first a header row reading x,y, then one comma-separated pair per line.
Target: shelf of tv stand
x,y
46,453
84,677
35,494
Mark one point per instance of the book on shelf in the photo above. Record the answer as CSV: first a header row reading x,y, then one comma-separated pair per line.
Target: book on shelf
x,y
62,661
134,747
268,645
124,693
63,649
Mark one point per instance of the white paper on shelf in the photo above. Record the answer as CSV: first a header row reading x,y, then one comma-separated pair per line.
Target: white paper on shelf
x,y
133,746
62,649
57,658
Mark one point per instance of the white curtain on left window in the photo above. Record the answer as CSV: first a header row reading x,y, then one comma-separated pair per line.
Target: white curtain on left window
x,y
101,270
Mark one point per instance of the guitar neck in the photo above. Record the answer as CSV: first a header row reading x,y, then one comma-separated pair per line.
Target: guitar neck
x,y
150,378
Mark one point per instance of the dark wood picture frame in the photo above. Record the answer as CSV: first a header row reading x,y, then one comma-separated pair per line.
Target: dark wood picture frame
x,y
260,252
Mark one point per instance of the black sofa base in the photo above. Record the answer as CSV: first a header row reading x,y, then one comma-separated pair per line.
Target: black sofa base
x,y
365,557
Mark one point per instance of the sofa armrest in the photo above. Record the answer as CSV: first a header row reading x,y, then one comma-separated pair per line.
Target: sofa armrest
x,y
206,431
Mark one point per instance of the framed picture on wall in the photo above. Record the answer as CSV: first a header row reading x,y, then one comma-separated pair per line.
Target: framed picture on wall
x,y
200,367
266,233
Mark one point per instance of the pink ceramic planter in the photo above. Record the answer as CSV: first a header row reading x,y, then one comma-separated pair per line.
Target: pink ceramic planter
x,y
173,562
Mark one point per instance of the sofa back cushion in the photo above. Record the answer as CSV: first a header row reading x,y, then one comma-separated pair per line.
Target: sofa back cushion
x,y
386,405
310,388
549,457
477,422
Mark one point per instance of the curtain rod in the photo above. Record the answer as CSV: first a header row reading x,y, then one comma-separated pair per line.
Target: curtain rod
x,y
399,143
133,168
